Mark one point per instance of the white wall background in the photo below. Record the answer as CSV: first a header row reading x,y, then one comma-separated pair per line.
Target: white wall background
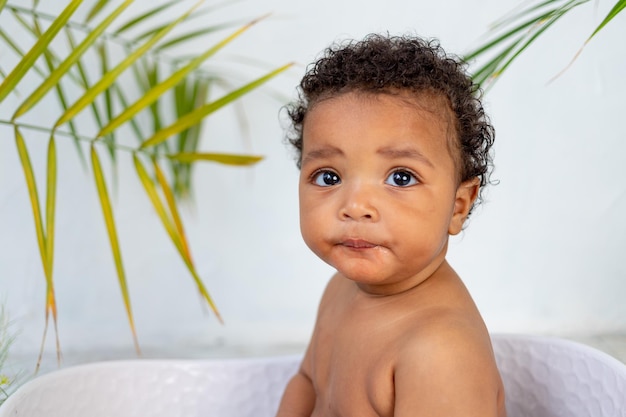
x,y
545,254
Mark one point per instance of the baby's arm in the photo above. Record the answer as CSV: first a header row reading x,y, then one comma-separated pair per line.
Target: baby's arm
x,y
450,372
299,397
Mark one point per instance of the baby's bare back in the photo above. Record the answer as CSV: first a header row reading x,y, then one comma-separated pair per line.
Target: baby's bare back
x,y
417,353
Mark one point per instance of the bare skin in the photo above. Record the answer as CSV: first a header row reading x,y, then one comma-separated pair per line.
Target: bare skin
x,y
397,333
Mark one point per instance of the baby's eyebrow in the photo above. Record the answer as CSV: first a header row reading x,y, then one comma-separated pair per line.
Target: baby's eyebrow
x,y
411,153
321,153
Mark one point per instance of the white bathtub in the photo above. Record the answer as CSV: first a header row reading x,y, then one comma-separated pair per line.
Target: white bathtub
x,y
544,377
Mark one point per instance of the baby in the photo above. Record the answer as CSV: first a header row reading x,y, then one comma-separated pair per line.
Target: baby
x,y
393,148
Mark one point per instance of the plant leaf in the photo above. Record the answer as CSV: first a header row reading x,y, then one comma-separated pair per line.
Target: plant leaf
x,y
51,188
197,115
18,51
40,46
44,251
108,104
33,194
515,30
65,66
49,58
187,98
122,98
172,232
222,158
107,211
108,78
151,190
171,204
97,8
513,17
195,15
83,82
537,25
528,42
617,8
194,34
159,89
144,16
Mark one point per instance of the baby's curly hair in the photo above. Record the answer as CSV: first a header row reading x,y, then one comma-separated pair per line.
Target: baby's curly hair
x,y
382,64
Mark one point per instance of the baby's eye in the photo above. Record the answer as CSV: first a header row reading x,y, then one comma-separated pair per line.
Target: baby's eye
x,y
401,178
326,178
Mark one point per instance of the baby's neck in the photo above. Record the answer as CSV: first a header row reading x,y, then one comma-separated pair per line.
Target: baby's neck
x,y
406,285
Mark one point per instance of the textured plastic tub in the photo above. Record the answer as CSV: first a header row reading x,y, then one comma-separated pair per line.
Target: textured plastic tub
x,y
543,377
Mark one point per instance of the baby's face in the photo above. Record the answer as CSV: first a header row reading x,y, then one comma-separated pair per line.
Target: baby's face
x,y
378,189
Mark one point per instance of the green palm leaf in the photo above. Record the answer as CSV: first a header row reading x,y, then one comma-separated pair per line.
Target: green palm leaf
x,y
107,211
157,74
148,33
513,17
108,78
97,8
62,69
175,236
518,38
159,89
173,209
21,53
526,44
197,115
108,104
49,58
188,95
222,158
617,8
192,35
46,242
29,175
122,98
39,48
51,187
136,20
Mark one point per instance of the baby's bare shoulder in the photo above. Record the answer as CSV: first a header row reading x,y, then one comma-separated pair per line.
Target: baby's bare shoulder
x,y
448,357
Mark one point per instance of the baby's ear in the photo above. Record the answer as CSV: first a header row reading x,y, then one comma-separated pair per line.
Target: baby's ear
x,y
465,196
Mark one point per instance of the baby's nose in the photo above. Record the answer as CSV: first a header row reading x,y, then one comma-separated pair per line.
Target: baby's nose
x,y
358,204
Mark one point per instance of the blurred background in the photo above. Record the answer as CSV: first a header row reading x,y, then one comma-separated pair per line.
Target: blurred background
x,y
544,254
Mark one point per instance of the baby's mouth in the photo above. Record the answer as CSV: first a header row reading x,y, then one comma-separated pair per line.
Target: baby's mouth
x,y
357,244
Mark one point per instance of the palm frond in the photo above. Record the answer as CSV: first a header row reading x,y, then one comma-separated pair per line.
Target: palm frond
x,y
108,79
142,17
45,237
194,117
617,8
160,88
96,9
521,29
107,212
35,52
69,72
175,234
62,69
535,20
222,158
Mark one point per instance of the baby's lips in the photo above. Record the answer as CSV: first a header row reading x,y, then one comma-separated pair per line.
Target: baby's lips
x,y
357,243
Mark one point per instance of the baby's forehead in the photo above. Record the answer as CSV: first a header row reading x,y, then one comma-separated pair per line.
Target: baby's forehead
x,y
429,101
429,104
